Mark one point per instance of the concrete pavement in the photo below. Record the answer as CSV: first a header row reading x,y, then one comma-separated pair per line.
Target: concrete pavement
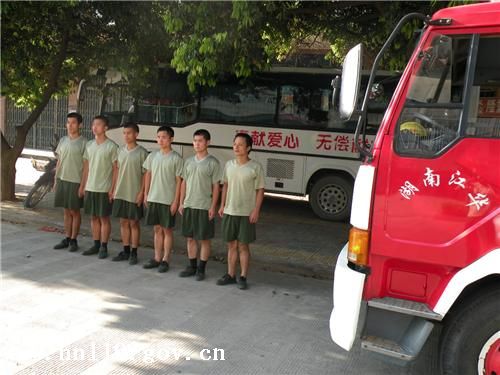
x,y
63,313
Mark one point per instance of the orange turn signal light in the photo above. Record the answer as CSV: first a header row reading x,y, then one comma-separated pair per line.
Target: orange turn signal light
x,y
358,246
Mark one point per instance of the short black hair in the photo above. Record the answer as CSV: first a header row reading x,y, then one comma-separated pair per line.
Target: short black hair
x,y
167,129
103,119
247,138
131,125
76,115
204,133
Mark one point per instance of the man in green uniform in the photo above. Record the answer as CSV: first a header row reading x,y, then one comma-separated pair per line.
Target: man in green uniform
x,y
199,196
242,197
69,171
100,174
162,187
129,192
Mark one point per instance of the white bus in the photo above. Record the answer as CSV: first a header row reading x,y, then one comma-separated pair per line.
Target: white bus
x,y
297,135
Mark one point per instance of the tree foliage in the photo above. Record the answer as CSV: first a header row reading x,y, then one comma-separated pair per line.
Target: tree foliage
x,y
47,46
209,38
85,35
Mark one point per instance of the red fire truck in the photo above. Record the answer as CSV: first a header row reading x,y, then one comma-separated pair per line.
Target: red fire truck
x,y
424,248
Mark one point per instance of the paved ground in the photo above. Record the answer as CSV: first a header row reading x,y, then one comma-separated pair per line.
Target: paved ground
x,y
63,313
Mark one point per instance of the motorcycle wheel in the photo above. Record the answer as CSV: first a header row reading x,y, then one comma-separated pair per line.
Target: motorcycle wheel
x,y
36,194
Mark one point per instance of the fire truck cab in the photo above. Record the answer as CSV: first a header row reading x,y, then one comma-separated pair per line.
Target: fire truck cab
x,y
424,247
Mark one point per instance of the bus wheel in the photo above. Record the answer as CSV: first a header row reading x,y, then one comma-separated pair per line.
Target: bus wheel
x,y
470,343
330,198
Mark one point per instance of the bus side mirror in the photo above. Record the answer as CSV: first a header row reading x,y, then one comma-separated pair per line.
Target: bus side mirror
x,y
351,79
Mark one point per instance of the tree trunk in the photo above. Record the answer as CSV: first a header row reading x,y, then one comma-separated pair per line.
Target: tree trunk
x,y
8,187
9,157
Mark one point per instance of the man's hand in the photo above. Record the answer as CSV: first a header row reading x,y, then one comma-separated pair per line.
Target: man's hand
x,y
139,199
111,195
145,200
221,211
173,208
254,216
81,191
211,213
181,209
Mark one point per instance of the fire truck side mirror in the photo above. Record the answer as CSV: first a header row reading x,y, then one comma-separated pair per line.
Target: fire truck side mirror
x,y
351,78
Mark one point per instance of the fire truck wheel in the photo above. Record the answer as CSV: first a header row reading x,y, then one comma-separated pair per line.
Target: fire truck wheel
x,y
330,198
470,342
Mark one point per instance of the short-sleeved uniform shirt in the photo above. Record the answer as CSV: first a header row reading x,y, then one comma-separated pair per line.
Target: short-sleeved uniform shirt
x,y
200,176
130,171
164,169
70,154
101,158
242,181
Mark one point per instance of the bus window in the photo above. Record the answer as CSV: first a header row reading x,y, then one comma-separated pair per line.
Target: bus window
x,y
429,121
231,102
304,107
167,102
311,107
116,104
294,106
484,106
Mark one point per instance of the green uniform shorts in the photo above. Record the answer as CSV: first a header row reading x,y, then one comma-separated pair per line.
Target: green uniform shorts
x,y
159,214
97,204
196,225
127,210
66,195
238,228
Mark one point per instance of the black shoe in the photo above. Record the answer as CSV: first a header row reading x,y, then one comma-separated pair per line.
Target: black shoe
x,y
73,247
163,267
242,283
226,280
133,259
121,256
103,253
62,245
200,276
189,271
91,251
152,263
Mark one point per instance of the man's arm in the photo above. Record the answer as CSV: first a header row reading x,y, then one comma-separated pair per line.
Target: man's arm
x,y
182,197
140,195
113,181
147,184
85,175
215,198
223,200
254,215
175,203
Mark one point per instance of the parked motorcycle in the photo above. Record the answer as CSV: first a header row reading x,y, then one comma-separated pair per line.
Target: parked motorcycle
x,y
46,181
